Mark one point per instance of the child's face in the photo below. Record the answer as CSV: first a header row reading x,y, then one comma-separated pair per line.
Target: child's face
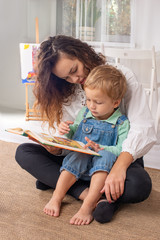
x,y
100,105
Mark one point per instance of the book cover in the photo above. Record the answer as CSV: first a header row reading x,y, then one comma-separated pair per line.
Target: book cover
x,y
54,141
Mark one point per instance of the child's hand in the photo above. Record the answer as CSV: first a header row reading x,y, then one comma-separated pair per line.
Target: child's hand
x,y
63,127
93,145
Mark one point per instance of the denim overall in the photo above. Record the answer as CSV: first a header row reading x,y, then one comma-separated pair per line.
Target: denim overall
x,y
83,165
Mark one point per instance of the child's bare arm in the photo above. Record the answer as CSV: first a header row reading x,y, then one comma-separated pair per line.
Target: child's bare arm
x,y
63,127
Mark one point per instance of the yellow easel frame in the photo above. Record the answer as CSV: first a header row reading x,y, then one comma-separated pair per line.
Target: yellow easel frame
x,y
30,113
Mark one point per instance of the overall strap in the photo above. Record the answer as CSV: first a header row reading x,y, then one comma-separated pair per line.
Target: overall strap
x,y
85,113
121,119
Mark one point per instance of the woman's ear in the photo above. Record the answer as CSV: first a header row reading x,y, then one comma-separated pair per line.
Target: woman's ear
x,y
116,103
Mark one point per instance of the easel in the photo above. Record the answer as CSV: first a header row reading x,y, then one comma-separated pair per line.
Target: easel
x,y
30,113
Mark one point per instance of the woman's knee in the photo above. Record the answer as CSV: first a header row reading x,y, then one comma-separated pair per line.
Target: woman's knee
x,y
22,154
138,185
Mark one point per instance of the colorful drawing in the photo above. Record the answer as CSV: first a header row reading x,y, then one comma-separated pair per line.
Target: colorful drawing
x,y
67,142
61,140
31,75
28,53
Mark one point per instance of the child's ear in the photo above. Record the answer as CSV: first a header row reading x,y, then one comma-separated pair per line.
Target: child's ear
x,y
116,103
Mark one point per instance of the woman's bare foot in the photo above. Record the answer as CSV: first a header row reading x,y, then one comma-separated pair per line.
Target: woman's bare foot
x,y
52,208
83,216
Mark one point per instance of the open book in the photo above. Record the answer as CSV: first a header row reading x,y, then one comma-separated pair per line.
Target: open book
x,y
55,141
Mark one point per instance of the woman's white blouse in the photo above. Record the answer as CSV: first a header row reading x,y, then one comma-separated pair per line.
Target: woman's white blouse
x,y
134,105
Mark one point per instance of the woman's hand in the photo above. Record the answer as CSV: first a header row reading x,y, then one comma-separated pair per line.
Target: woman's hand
x,y
114,184
53,150
63,127
93,145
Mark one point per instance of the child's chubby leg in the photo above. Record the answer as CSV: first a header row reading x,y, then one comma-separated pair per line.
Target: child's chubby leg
x,y
65,181
84,215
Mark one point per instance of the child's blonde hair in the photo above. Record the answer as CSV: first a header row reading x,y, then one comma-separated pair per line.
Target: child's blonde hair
x,y
108,79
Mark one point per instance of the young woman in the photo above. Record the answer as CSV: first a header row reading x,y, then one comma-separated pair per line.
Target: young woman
x,y
63,65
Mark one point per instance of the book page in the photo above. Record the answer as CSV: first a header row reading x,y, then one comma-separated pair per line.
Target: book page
x,y
17,130
60,142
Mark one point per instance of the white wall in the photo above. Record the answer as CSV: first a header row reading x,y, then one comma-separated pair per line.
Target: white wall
x,y
13,23
17,24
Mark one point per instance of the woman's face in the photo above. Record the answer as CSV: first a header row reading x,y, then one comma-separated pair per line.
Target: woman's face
x,y
72,70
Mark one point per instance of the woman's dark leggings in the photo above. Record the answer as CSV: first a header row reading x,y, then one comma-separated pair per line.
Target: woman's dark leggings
x,y
45,167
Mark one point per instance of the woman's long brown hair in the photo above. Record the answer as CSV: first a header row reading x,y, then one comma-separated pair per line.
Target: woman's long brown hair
x,y
50,91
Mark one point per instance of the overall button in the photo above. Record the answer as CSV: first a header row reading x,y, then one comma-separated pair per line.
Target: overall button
x,y
113,126
86,129
84,120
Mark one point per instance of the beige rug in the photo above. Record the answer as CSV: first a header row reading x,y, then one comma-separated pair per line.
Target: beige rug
x,y
22,218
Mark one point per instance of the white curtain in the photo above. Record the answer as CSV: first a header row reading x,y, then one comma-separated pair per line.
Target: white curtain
x,y
98,20
147,30
145,18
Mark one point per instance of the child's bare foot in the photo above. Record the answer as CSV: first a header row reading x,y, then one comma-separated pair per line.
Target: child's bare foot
x,y
52,208
82,217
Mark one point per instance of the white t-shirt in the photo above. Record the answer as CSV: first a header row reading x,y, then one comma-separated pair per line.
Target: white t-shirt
x,y
141,136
